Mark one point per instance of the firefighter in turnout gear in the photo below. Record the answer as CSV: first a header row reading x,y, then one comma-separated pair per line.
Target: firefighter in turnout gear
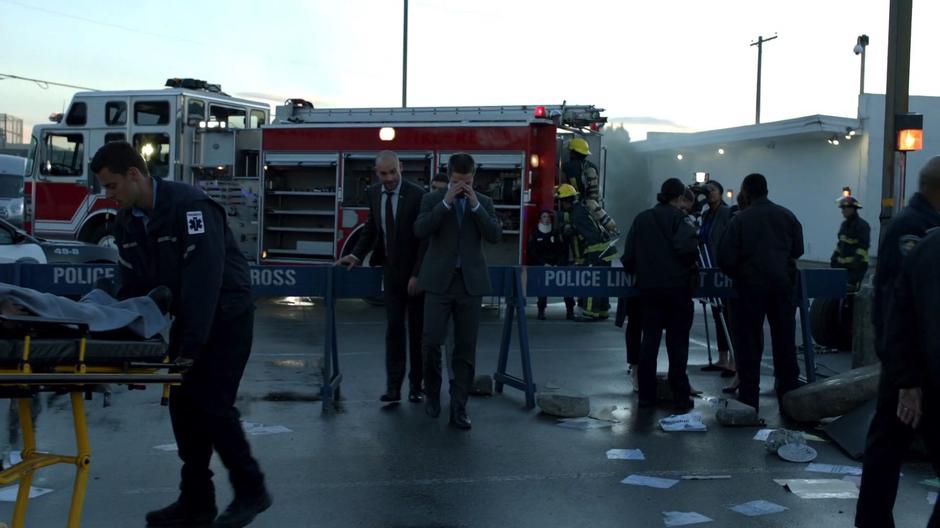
x,y
854,236
590,246
585,178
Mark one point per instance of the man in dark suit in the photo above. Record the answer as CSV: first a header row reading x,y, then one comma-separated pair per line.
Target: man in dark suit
x,y
454,276
393,208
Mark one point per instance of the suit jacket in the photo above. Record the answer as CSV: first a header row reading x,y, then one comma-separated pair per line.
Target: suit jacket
x,y
447,239
408,252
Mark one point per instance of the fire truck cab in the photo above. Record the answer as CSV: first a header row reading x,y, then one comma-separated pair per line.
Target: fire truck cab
x,y
191,132
319,162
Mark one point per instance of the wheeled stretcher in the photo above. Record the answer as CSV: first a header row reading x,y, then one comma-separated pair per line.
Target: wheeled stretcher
x,y
43,355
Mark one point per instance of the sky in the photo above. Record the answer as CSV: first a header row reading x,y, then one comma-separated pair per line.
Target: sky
x,y
682,62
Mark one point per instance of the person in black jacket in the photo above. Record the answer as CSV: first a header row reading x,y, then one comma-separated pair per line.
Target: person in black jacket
x,y
660,251
759,251
888,437
851,251
546,247
393,207
911,330
173,234
715,220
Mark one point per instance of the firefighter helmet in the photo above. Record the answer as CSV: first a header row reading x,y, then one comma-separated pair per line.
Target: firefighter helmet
x,y
580,146
566,190
849,201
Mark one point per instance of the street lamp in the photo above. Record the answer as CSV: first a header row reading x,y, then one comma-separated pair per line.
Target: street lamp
x,y
860,46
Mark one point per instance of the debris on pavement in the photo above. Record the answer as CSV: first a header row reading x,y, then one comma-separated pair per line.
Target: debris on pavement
x,y
820,488
625,454
683,422
835,469
757,508
674,518
650,482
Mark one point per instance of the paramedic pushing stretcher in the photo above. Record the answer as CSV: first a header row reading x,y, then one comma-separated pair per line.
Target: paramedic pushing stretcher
x,y
173,234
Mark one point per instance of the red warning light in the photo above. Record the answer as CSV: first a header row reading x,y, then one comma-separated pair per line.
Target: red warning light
x,y
540,111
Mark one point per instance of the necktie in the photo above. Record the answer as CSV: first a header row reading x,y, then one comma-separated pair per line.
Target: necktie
x,y
461,206
389,225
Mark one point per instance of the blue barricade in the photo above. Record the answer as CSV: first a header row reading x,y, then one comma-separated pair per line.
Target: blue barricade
x,y
512,283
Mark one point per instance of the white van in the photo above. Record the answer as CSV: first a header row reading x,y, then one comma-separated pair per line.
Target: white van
x,y
12,170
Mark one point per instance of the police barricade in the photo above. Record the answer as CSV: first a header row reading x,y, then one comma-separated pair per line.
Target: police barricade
x,y
613,282
514,284
267,281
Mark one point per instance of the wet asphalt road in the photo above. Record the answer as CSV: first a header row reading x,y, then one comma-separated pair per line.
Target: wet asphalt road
x,y
392,466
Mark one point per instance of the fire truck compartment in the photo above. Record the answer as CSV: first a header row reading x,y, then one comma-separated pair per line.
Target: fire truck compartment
x,y
299,221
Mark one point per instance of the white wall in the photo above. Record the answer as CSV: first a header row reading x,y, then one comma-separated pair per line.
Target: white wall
x,y
805,175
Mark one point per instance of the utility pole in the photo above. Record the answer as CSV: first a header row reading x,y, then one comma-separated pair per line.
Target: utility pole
x,y
760,54
860,46
896,100
404,62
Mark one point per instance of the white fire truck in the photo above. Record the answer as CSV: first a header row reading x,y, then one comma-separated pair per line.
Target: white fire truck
x,y
295,188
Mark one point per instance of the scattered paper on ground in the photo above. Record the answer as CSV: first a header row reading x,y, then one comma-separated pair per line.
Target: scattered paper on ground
x,y
758,508
683,422
651,482
8,494
583,424
854,479
931,497
254,429
820,488
625,454
932,482
838,470
705,477
609,413
16,457
763,434
674,518
167,447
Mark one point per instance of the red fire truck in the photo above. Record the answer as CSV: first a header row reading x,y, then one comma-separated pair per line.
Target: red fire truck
x,y
295,188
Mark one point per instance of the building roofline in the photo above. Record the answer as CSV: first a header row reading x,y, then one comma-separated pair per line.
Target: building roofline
x,y
813,125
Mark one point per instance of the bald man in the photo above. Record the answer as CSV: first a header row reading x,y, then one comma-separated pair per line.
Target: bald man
x,y
889,437
389,232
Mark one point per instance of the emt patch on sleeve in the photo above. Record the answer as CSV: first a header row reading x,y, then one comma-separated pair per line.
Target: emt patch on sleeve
x,y
194,223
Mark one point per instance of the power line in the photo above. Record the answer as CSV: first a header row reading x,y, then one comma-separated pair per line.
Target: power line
x,y
44,84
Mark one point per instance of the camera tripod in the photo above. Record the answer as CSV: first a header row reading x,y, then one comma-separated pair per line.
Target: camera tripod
x,y
705,261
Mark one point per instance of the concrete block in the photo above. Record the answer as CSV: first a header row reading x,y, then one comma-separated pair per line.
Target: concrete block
x,y
482,385
564,404
735,413
833,396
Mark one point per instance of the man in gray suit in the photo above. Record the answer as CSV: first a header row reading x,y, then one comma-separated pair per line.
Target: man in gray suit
x,y
454,276
389,234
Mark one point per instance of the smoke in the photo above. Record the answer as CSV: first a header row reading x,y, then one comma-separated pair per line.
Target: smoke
x,y
627,181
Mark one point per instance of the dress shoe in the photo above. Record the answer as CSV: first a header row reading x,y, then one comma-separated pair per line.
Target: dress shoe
x,y
432,406
391,395
416,396
459,419
182,513
242,511
162,297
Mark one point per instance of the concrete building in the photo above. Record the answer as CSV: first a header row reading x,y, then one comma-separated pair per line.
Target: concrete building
x,y
11,130
807,162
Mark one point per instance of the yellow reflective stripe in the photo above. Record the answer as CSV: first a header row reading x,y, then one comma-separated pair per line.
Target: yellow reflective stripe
x,y
845,260
862,253
594,248
848,240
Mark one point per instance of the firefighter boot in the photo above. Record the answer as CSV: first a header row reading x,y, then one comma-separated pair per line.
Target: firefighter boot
x,y
242,511
183,513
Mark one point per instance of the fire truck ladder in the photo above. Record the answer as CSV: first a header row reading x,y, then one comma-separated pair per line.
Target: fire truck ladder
x,y
580,116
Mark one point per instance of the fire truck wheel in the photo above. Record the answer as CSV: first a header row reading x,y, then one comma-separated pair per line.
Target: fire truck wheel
x,y
102,235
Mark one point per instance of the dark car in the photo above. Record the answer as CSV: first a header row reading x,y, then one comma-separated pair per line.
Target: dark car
x,y
18,246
